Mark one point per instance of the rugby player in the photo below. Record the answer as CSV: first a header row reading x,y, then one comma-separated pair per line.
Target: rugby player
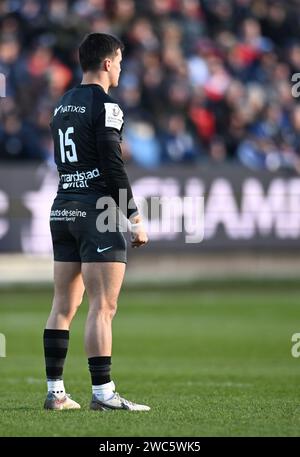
x,y
87,131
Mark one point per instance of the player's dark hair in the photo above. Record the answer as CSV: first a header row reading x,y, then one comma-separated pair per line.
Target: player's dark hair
x,y
95,48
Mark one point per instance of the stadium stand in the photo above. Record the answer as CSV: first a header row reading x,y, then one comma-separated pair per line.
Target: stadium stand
x,y
202,80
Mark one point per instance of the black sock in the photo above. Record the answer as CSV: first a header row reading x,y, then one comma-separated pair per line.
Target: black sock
x,y
55,349
100,370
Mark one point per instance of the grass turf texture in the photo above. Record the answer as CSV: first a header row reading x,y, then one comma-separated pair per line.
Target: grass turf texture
x,y
211,360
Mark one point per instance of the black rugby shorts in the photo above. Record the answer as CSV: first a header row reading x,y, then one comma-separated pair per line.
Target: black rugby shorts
x,y
76,236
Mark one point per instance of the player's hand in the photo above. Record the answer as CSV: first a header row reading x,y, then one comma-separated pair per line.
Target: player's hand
x,y
139,236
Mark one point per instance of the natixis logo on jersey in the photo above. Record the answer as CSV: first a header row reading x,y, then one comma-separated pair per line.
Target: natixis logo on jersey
x,y
79,179
69,109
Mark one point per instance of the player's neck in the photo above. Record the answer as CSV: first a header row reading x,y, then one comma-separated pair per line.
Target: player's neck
x,y
92,79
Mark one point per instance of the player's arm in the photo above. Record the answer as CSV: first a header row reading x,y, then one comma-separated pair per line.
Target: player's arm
x,y
115,176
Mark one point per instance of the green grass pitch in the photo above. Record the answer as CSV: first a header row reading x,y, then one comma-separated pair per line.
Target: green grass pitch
x,y
211,360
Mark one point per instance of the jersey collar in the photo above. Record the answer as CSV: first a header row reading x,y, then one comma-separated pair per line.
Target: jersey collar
x,y
91,85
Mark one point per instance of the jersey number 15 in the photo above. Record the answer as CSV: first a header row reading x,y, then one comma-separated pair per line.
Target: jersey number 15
x,y
64,142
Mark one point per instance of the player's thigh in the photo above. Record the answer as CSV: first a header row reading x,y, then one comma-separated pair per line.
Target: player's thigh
x,y
68,282
103,281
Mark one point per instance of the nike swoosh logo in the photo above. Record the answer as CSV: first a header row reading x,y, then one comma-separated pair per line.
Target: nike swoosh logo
x,y
104,249
56,110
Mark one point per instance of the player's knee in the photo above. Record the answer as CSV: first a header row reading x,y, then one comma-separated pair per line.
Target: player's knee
x,y
105,308
108,308
65,312
113,311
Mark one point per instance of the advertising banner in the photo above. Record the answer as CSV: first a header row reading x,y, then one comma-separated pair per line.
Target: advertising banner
x,y
199,208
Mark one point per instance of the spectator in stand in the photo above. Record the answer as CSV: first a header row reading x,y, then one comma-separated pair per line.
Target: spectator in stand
x,y
202,79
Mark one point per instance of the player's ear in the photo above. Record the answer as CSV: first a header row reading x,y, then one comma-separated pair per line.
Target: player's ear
x,y
107,64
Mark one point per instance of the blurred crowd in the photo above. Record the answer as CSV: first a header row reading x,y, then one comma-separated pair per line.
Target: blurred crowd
x,y
202,80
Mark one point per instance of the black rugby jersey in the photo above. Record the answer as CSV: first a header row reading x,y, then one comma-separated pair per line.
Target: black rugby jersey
x,y
87,129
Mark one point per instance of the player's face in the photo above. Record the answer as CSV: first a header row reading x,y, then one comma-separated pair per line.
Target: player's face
x,y
116,68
